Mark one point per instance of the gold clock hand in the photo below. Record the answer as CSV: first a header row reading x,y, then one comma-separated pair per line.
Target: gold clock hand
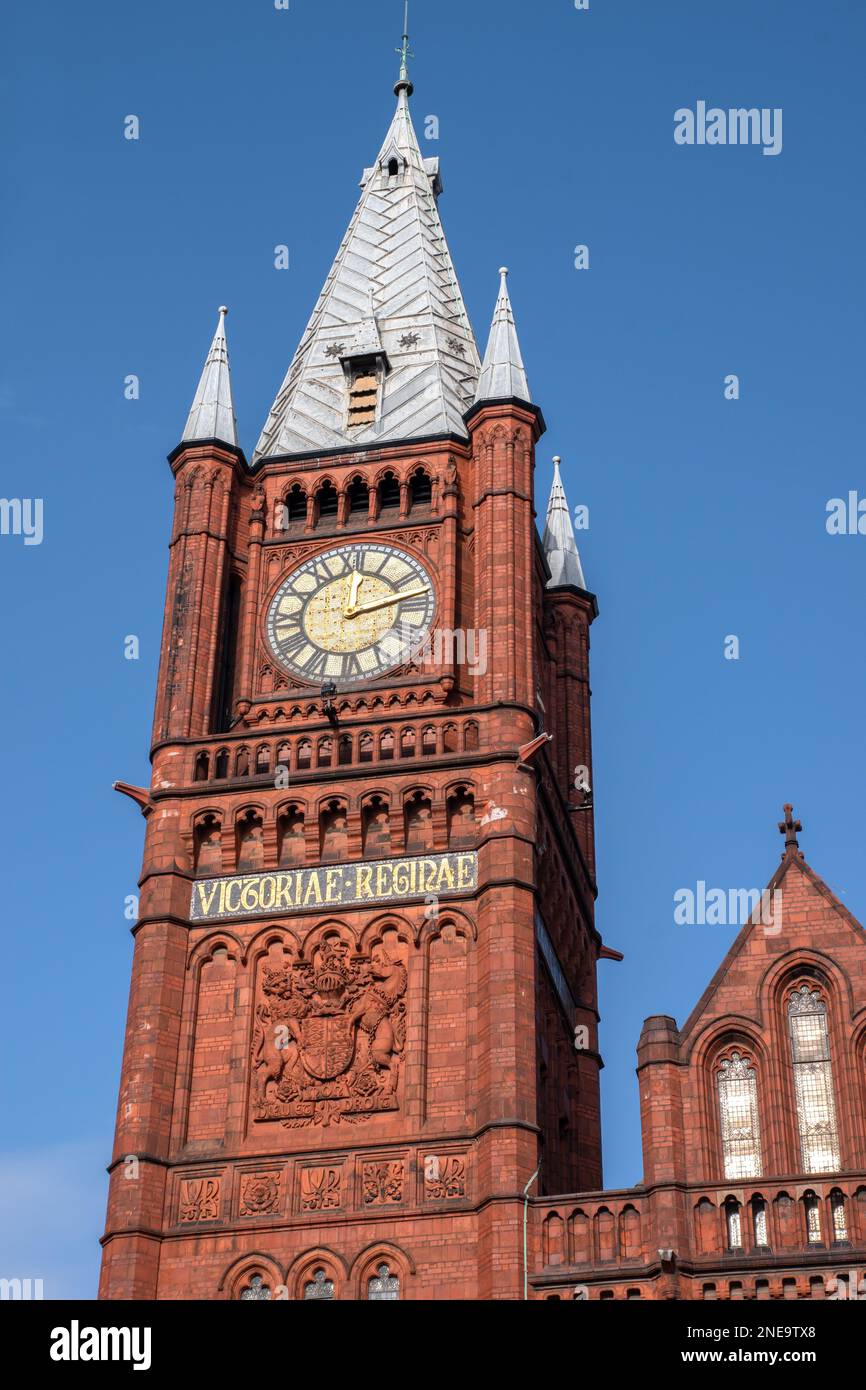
x,y
353,611
353,593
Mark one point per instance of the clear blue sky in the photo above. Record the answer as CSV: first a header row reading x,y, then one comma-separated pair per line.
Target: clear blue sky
x,y
707,516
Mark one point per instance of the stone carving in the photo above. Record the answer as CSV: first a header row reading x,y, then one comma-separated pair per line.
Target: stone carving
x,y
200,1199
260,1194
329,1037
382,1183
320,1189
444,1178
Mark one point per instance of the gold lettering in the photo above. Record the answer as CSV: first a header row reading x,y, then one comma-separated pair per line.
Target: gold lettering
x,y
283,897
333,883
465,868
381,871
401,878
250,895
446,874
222,906
267,883
313,888
205,899
363,885
428,876
233,883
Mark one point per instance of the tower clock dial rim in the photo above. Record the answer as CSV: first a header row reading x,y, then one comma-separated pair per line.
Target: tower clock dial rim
x,y
328,618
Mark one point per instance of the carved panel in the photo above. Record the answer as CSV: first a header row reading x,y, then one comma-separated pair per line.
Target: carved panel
x,y
329,1037
199,1200
260,1194
321,1188
382,1183
444,1177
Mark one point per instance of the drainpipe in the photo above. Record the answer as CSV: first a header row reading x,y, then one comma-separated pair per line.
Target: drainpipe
x,y
525,1215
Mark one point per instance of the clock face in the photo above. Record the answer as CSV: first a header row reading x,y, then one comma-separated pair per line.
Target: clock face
x,y
350,614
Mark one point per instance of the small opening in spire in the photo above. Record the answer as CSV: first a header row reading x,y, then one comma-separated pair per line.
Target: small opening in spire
x,y
363,398
393,168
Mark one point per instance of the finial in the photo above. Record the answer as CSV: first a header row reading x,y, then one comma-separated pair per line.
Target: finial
x,y
403,84
503,271
223,310
790,828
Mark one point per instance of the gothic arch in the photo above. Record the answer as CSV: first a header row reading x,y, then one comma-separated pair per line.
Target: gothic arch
x,y
303,1269
379,1252
245,1268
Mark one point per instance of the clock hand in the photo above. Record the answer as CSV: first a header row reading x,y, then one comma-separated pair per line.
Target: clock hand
x,y
372,604
353,592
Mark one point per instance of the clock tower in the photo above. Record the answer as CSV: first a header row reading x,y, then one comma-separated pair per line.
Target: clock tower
x,y
362,1019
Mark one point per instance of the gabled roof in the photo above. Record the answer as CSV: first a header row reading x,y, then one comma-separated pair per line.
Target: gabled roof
x,y
502,373
560,547
393,267
803,896
212,415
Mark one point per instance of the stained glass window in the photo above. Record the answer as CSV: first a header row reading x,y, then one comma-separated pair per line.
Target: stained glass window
x,y
813,1218
320,1286
384,1286
840,1221
256,1288
813,1081
738,1107
759,1210
735,1227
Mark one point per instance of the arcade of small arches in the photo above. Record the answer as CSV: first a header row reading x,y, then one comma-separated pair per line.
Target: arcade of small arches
x,y
353,501
379,1274
307,753
374,825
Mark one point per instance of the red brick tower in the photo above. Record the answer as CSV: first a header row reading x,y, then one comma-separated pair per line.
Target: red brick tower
x,y
365,951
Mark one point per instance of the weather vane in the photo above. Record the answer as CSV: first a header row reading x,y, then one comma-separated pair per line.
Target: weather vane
x,y
405,52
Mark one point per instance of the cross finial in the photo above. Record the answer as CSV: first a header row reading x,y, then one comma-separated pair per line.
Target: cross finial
x,y
403,83
790,828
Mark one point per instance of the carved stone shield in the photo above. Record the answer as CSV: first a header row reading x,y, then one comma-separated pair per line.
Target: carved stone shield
x,y
327,1045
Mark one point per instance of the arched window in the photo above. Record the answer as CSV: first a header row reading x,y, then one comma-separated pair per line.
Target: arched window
x,y
420,489
327,502
733,1224
383,1286
202,767
813,1081
837,1213
359,499
393,168
738,1110
389,493
759,1221
812,1208
365,748
319,1287
256,1288
294,511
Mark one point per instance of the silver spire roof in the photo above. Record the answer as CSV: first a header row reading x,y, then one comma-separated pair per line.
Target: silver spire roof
x,y
212,415
393,282
560,547
502,372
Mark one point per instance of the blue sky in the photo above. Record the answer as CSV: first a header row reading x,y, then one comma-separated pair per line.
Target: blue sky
x,y
707,516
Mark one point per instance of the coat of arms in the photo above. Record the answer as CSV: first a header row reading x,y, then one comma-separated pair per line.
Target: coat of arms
x,y
329,1037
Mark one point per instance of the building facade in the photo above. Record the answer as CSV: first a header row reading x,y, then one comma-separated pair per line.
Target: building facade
x,y
361,1054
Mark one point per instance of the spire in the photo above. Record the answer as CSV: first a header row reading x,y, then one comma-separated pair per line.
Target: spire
x,y
403,84
560,547
790,828
502,373
212,415
393,270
